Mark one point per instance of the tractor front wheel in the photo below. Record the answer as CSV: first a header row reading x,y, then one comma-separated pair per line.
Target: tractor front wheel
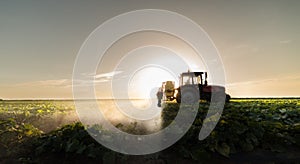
x,y
227,98
178,98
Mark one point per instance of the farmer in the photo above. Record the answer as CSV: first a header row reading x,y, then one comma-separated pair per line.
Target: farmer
x,y
159,95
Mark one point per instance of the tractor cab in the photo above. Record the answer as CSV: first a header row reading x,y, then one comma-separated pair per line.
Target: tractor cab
x,y
193,78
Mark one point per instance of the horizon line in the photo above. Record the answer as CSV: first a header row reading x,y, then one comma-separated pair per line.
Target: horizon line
x,y
71,99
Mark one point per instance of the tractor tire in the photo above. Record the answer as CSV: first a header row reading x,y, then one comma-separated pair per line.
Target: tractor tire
x,y
227,99
189,95
206,97
220,97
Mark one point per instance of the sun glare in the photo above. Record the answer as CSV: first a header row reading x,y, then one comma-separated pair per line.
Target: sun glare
x,y
145,82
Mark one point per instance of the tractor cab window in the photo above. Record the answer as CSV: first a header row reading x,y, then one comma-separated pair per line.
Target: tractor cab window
x,y
189,79
198,80
195,80
186,80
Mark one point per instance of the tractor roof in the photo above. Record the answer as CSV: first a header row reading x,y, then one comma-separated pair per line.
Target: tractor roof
x,y
193,73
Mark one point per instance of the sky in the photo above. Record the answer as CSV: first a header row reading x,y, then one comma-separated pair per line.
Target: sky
x,y
258,42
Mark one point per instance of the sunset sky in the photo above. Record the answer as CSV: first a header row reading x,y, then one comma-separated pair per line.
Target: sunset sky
x,y
258,42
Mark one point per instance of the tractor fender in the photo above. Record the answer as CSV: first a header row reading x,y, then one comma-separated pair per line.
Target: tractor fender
x,y
213,88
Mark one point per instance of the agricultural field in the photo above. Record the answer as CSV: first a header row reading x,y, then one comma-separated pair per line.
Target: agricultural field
x,y
262,128
249,131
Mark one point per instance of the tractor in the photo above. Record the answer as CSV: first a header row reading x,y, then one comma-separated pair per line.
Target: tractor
x,y
192,88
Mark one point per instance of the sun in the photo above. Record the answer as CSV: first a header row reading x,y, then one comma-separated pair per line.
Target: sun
x,y
144,83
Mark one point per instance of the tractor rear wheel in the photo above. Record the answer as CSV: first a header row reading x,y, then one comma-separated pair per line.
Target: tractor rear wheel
x,y
188,95
219,97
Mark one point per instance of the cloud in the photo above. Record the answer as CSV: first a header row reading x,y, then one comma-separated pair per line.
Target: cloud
x,y
60,83
107,75
96,79
88,82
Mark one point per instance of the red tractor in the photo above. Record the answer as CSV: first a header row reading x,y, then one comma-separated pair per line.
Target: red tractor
x,y
193,86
